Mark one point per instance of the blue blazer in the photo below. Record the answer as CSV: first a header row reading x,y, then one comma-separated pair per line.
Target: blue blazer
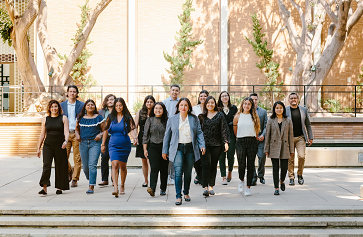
x,y
171,137
79,106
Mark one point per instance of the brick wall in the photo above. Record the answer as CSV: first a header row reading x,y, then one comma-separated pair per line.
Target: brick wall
x,y
109,36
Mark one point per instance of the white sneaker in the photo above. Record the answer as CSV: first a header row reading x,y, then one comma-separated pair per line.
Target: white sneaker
x,y
248,192
171,182
241,185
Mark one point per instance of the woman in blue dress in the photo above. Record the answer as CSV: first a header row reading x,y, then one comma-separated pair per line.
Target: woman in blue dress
x,y
119,124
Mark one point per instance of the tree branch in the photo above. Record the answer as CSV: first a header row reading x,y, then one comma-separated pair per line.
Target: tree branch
x,y
50,53
355,17
29,16
11,10
77,49
327,7
302,18
344,7
317,34
293,35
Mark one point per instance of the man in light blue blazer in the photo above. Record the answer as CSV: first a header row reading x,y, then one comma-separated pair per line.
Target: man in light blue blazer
x,y
71,108
302,133
183,142
262,114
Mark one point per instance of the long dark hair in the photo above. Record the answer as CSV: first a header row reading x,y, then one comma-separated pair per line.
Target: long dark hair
x,y
203,115
129,122
253,112
190,109
83,111
220,103
143,110
202,92
104,103
164,116
274,107
60,111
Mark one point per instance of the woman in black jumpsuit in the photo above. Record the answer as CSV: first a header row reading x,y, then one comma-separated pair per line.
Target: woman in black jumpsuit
x,y
55,128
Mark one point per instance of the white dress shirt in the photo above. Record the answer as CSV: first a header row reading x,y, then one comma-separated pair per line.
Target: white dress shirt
x,y
71,115
184,130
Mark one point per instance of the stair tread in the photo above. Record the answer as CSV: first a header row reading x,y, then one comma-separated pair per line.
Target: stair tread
x,y
180,232
121,221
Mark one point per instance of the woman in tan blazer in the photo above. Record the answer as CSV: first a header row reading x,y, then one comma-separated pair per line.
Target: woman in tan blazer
x,y
279,143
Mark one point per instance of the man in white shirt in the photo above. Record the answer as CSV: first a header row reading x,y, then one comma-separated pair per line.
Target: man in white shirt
x,y
170,104
71,108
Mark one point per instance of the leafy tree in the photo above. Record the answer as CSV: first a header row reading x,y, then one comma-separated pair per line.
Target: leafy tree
x,y
5,26
185,46
267,66
312,14
80,69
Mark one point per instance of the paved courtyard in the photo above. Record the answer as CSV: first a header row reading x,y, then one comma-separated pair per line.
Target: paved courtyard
x,y
324,188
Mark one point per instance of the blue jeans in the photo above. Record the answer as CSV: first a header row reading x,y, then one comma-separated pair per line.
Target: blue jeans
x,y
183,164
90,152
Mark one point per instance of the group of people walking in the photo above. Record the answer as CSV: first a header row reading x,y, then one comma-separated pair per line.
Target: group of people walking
x,y
172,137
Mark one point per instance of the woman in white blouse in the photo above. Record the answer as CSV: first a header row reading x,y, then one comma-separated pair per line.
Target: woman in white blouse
x,y
246,126
183,142
197,110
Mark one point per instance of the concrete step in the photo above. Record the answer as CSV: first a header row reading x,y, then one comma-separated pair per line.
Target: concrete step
x,y
349,211
59,232
180,222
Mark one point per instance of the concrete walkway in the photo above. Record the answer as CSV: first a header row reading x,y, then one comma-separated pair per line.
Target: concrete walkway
x,y
324,188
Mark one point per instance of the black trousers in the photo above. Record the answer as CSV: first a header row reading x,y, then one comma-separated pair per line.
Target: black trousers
x,y
199,169
157,164
276,162
246,149
53,149
105,157
209,163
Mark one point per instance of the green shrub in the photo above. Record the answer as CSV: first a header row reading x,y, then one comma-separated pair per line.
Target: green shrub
x,y
5,26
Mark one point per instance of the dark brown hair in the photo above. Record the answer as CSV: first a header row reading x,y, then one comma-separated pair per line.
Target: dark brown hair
x,y
143,111
220,103
60,111
129,123
203,115
190,109
104,103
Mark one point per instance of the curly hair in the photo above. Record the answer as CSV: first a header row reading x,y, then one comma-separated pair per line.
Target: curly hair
x,y
104,103
253,112
83,111
60,111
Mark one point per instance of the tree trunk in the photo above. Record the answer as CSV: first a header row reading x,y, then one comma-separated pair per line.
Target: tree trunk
x,y
323,68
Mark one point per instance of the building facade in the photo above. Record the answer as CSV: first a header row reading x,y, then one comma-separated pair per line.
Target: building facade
x,y
130,36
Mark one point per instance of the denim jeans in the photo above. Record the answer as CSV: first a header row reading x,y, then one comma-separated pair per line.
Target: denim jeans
x,y
183,164
90,152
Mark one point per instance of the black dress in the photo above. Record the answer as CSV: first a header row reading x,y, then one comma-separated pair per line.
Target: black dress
x,y
139,147
53,149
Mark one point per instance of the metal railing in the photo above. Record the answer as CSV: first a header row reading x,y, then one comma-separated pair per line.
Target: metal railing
x,y
344,100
